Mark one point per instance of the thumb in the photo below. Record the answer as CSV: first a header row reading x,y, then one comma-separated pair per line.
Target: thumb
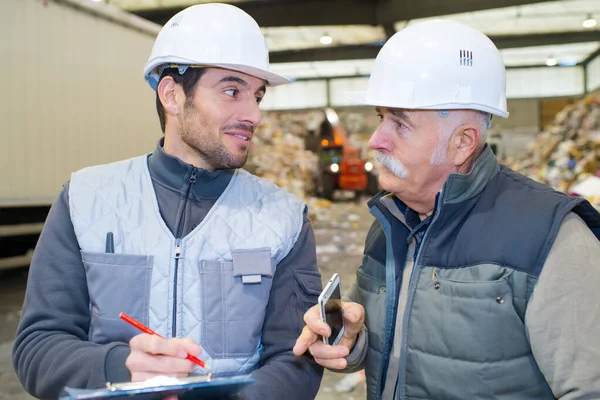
x,y
354,319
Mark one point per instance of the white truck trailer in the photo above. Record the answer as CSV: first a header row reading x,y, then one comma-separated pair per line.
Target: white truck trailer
x,y
72,95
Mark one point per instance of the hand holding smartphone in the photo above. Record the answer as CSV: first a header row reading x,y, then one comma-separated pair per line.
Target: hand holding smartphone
x,y
345,321
330,307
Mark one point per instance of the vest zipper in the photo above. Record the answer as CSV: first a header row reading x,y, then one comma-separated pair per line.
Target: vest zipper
x,y
412,288
378,214
178,253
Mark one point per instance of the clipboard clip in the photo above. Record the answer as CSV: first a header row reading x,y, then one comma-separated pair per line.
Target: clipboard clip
x,y
158,381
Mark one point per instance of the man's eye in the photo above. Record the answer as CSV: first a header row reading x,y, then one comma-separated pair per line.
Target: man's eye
x,y
231,92
258,100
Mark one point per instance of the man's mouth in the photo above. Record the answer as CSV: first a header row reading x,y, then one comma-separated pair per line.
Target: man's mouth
x,y
244,138
240,134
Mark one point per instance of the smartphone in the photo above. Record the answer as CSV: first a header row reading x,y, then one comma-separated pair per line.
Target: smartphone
x,y
330,306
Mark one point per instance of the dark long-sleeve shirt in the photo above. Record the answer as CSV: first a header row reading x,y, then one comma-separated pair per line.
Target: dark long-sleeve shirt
x,y
52,349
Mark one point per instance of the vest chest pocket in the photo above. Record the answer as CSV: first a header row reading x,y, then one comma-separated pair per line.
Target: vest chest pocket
x,y
234,300
471,309
116,283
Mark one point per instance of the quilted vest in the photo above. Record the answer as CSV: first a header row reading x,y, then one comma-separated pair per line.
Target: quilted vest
x,y
211,286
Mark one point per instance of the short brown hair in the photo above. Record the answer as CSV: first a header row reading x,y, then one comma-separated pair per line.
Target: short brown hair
x,y
187,80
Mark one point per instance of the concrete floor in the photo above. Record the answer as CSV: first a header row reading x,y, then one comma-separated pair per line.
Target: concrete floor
x,y
340,234
12,290
340,243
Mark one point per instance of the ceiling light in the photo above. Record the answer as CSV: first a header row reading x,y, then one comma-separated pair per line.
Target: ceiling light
x,y
326,39
551,62
567,63
589,22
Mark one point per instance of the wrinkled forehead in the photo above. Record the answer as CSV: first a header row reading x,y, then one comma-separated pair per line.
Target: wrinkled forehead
x,y
411,116
415,116
397,112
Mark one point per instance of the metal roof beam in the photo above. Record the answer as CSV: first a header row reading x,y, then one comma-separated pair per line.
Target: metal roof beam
x,y
389,30
319,78
357,52
344,12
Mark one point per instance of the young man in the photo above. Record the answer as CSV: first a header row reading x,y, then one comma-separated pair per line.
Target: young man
x,y
219,262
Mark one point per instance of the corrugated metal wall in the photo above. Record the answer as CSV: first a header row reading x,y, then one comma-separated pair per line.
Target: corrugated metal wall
x,y
72,95
544,82
520,83
593,74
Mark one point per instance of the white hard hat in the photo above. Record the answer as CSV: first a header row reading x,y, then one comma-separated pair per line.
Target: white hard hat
x,y
438,65
212,35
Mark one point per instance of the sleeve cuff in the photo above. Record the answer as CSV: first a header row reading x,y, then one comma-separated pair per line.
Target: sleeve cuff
x,y
355,360
115,369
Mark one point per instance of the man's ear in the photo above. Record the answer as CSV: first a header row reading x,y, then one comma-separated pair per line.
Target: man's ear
x,y
465,143
167,93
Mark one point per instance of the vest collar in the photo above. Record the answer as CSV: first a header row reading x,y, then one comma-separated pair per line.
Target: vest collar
x,y
175,174
462,187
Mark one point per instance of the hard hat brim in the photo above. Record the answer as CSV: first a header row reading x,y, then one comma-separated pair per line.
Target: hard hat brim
x,y
363,99
271,78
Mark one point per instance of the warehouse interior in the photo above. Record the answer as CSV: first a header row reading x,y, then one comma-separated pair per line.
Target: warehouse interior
x,y
74,96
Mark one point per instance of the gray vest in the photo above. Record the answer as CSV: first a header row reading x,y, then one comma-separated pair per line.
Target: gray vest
x,y
463,333
211,286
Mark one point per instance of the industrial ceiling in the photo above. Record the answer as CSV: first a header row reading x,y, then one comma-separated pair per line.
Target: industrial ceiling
x,y
528,32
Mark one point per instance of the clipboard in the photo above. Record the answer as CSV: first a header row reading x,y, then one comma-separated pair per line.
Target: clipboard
x,y
190,388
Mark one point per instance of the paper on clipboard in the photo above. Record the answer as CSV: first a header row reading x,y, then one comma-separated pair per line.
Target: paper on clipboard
x,y
193,387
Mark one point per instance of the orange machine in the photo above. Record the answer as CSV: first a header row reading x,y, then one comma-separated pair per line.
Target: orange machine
x,y
340,164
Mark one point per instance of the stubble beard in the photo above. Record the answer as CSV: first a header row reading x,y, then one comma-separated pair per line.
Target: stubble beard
x,y
211,149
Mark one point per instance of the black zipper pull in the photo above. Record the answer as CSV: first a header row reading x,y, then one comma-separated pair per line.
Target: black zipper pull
x,y
178,249
193,177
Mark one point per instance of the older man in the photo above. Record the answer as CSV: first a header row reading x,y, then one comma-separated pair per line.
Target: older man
x,y
476,282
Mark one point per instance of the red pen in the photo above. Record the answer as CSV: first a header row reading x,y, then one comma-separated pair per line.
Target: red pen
x,y
149,331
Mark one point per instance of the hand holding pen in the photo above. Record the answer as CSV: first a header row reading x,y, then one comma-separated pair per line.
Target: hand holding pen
x,y
152,355
149,331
